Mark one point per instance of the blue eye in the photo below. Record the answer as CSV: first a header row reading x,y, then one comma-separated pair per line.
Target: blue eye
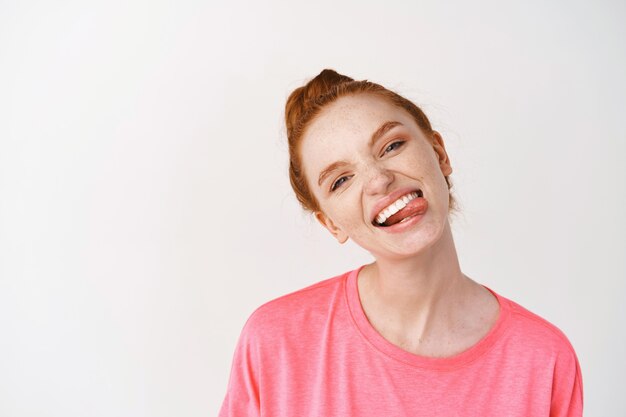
x,y
391,146
338,183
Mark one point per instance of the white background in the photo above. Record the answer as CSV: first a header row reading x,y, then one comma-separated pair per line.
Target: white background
x,y
145,207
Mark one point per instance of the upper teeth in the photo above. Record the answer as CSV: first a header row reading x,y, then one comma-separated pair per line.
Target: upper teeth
x,y
395,207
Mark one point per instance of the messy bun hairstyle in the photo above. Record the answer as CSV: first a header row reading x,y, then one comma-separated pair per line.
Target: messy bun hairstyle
x,y
305,102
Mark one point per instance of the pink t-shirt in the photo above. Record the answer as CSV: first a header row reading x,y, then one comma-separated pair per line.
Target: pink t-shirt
x,y
313,352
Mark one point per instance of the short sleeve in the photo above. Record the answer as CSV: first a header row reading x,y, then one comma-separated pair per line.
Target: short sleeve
x,y
242,395
567,388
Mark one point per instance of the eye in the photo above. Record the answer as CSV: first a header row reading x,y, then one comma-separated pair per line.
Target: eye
x,y
338,183
393,146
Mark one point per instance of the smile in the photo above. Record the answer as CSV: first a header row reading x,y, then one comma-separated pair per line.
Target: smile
x,y
401,203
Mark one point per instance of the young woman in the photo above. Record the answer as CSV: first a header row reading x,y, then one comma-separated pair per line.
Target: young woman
x,y
409,334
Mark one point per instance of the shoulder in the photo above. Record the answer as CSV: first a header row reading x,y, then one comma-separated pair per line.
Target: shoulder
x,y
289,312
544,343
537,332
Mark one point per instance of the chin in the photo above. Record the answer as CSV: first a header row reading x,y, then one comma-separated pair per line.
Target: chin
x,y
413,242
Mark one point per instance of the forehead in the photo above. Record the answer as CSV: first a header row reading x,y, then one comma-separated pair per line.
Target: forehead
x,y
345,126
358,114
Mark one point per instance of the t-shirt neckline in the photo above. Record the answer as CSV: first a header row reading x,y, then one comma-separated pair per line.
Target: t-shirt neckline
x,y
391,350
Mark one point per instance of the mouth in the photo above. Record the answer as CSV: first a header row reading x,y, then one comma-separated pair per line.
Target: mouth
x,y
405,207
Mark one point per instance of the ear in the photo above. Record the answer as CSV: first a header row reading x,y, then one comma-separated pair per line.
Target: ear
x,y
440,150
331,226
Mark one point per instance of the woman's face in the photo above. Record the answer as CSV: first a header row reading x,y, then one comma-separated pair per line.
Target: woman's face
x,y
370,169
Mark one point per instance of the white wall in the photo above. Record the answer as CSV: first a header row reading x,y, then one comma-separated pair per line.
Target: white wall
x,y
145,208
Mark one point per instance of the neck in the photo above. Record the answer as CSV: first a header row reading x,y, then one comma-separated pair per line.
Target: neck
x,y
416,295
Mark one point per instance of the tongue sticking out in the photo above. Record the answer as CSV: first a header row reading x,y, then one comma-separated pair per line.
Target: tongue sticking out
x,y
416,206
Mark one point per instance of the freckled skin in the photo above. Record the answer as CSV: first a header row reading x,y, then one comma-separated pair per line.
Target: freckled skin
x,y
342,132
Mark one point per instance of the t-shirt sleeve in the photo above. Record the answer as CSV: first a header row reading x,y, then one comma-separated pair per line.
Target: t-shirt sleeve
x,y
242,396
567,388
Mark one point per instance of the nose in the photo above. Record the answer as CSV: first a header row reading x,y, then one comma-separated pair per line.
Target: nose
x,y
378,179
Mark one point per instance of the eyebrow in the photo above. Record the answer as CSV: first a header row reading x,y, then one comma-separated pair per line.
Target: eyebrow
x,y
384,128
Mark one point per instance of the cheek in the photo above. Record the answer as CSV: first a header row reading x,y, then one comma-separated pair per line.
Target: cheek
x,y
349,218
423,158
416,165
425,168
348,212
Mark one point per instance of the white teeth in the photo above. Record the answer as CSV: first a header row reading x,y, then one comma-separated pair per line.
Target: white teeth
x,y
395,207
